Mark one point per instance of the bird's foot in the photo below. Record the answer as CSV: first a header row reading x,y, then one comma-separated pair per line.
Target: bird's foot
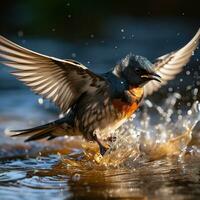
x,y
102,148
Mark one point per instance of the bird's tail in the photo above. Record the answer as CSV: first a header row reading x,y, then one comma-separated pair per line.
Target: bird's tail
x,y
49,131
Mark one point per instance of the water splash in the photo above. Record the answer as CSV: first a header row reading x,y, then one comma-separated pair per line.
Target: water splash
x,y
158,131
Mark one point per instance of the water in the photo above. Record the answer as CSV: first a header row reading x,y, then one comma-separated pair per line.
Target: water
x,y
156,154
150,159
159,179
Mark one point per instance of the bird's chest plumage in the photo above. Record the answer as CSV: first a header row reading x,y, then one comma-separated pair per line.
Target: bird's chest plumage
x,y
121,110
128,106
105,115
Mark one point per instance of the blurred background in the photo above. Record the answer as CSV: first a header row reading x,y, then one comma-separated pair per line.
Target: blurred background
x,y
98,34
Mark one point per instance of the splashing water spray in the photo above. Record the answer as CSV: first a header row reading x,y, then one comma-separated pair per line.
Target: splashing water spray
x,y
157,132
169,134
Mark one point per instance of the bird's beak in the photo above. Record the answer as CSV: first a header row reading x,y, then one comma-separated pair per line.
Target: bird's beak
x,y
152,76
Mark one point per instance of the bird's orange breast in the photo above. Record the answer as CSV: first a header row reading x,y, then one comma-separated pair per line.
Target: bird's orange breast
x,y
125,108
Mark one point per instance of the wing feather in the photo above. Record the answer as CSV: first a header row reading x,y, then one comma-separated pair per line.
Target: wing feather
x,y
61,81
169,65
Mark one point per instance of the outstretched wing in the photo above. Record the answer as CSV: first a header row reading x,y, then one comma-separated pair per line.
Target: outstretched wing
x,y
61,81
169,65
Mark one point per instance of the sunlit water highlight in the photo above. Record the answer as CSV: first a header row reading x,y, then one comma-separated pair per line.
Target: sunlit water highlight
x,y
169,136
156,154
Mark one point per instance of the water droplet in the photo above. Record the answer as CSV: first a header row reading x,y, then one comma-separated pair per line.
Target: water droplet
x,y
170,89
76,177
69,16
122,30
195,92
149,103
91,35
189,87
188,72
20,33
180,117
177,95
179,112
40,101
73,55
189,112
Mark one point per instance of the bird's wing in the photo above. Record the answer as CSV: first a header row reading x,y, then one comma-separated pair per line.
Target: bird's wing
x,y
61,81
169,65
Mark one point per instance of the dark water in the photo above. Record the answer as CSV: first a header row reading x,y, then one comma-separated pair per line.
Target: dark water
x,y
36,170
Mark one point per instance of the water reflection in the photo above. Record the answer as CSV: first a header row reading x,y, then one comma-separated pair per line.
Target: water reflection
x,y
153,180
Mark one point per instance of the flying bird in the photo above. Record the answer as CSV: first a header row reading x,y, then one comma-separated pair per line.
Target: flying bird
x,y
95,105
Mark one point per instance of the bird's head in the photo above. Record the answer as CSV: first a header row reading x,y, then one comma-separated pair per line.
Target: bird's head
x,y
136,70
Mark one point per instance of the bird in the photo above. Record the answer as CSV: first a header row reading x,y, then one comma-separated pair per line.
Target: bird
x,y
94,105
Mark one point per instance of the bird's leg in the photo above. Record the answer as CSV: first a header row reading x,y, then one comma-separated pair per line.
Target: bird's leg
x,y
102,148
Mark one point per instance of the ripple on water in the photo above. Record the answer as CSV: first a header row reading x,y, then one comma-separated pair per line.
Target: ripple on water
x,y
9,176
24,193
31,163
49,182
